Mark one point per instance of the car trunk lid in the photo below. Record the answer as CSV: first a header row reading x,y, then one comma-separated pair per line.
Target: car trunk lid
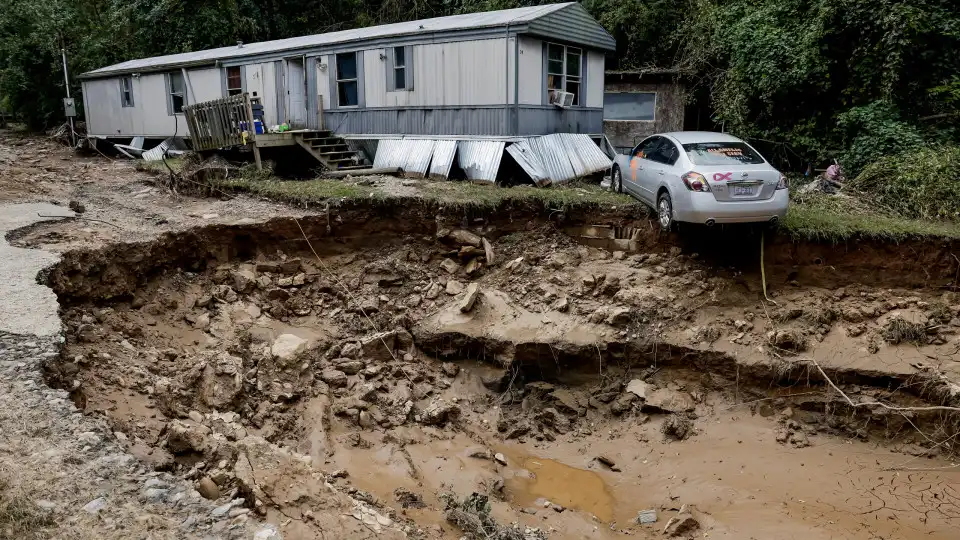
x,y
735,183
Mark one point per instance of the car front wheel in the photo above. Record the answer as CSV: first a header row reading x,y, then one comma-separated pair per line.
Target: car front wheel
x,y
665,212
616,180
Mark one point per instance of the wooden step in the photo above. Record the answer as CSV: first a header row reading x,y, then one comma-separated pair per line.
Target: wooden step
x,y
319,146
354,167
337,153
309,135
314,140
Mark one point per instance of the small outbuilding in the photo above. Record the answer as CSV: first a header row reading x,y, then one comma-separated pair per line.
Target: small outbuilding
x,y
637,104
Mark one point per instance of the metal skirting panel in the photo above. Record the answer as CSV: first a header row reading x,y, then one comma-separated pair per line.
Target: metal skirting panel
x,y
586,157
529,161
437,122
418,156
553,155
411,155
480,160
443,153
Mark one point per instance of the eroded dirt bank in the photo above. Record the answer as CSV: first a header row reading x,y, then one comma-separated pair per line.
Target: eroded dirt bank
x,y
363,391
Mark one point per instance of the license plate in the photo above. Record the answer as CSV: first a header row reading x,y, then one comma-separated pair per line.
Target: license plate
x,y
741,191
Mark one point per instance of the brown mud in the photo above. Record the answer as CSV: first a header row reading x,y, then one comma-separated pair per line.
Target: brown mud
x,y
352,391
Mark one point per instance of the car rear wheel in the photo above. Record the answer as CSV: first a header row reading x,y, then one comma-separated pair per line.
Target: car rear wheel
x,y
665,212
616,180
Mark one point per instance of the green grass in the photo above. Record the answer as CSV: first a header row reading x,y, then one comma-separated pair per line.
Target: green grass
x,y
837,218
158,167
296,191
460,194
813,216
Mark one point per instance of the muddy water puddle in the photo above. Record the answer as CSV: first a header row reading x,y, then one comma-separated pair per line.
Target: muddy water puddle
x,y
543,479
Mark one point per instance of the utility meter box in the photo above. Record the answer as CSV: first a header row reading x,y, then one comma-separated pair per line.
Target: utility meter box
x,y
69,107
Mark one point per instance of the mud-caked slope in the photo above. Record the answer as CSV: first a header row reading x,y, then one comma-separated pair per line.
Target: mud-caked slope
x,y
392,382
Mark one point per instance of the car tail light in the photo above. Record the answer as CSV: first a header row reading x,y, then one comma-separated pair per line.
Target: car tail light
x,y
783,184
695,182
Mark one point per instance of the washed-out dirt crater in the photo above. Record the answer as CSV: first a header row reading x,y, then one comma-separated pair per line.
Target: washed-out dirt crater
x,y
353,375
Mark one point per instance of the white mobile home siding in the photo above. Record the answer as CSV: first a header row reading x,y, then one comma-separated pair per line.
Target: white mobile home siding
x,y
595,69
444,75
531,71
261,83
148,117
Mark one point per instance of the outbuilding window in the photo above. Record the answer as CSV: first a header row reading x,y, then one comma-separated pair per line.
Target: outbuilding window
x,y
348,85
176,95
234,81
564,70
126,91
630,106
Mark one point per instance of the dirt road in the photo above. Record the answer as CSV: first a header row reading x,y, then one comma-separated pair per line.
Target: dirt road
x,y
405,372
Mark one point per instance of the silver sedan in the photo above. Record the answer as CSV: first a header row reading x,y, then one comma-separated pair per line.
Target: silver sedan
x,y
702,177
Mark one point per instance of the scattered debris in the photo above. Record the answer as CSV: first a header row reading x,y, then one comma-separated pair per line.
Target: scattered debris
x,y
647,516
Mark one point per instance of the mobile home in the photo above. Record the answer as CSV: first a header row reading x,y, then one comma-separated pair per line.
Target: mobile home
x,y
499,75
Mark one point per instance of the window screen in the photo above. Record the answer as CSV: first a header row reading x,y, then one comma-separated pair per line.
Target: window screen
x,y
234,81
126,91
629,105
177,94
564,70
348,86
399,68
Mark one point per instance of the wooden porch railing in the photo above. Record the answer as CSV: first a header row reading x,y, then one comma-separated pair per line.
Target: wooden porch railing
x,y
221,123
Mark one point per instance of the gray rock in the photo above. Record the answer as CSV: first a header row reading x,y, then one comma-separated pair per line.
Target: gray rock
x,y
439,412
671,401
155,483
334,377
647,516
287,346
155,495
639,388
208,489
682,524
450,266
469,298
500,458
96,505
222,510
463,237
268,532
454,287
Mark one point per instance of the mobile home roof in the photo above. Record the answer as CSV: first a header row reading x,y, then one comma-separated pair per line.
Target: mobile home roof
x,y
566,22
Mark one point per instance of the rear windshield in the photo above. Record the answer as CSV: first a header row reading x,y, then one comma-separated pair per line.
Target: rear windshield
x,y
722,153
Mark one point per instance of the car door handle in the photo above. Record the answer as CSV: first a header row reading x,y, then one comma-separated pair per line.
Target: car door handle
x,y
661,173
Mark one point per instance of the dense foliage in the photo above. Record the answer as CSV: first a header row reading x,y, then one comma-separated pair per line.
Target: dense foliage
x,y
922,183
852,79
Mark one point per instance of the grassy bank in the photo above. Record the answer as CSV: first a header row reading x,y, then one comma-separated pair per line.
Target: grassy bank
x,y
815,216
461,194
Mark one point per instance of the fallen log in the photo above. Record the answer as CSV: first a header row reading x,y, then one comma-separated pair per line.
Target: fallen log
x,y
363,172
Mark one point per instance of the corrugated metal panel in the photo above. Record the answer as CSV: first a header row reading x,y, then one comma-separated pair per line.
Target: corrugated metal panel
x,y
530,162
418,153
171,144
443,153
572,23
411,155
488,19
389,154
585,156
480,160
553,155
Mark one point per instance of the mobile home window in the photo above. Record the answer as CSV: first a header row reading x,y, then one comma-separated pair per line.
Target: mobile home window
x,y
399,68
629,106
177,94
564,70
126,91
348,87
234,81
